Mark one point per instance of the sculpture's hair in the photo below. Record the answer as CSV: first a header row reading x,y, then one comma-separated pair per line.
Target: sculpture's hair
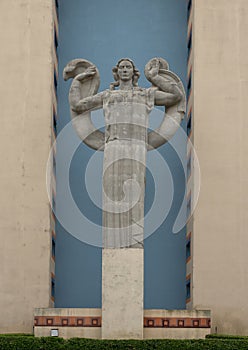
x,y
136,74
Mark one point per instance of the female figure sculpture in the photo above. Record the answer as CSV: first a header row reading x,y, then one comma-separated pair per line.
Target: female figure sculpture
x,y
126,139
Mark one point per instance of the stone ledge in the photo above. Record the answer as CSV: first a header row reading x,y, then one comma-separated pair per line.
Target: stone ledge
x,y
178,324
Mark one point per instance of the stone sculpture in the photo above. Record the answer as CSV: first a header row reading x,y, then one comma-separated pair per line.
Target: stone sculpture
x,y
126,138
125,143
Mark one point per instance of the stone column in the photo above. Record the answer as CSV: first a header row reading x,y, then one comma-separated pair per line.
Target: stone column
x,y
123,217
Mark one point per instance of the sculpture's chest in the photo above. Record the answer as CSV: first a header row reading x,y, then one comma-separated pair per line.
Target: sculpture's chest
x,y
132,106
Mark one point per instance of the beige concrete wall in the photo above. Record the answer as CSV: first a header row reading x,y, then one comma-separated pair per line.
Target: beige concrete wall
x,y
54,319
26,32
220,271
174,332
72,331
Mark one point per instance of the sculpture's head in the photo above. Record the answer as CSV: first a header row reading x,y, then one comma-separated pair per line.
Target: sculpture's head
x,y
125,70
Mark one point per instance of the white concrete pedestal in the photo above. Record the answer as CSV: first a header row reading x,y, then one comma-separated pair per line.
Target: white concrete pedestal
x,y
122,293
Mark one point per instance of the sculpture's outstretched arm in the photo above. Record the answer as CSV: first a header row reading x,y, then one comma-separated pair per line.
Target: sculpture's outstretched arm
x,y
76,92
169,93
89,103
83,99
167,99
85,104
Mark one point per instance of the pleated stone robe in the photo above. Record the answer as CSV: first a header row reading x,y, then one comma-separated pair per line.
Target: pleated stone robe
x,y
126,115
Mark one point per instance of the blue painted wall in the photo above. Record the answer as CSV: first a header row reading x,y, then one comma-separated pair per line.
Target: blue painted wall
x,y
103,32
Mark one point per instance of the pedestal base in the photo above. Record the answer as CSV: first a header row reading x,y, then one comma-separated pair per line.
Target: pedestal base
x,y
122,293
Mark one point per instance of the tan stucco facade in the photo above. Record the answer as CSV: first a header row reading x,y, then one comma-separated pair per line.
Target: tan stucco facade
x,y
218,267
26,31
220,90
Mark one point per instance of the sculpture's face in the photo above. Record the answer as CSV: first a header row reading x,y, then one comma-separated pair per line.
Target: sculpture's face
x,y
125,70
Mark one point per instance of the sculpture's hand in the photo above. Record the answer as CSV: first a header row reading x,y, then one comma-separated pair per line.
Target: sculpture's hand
x,y
89,72
153,68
